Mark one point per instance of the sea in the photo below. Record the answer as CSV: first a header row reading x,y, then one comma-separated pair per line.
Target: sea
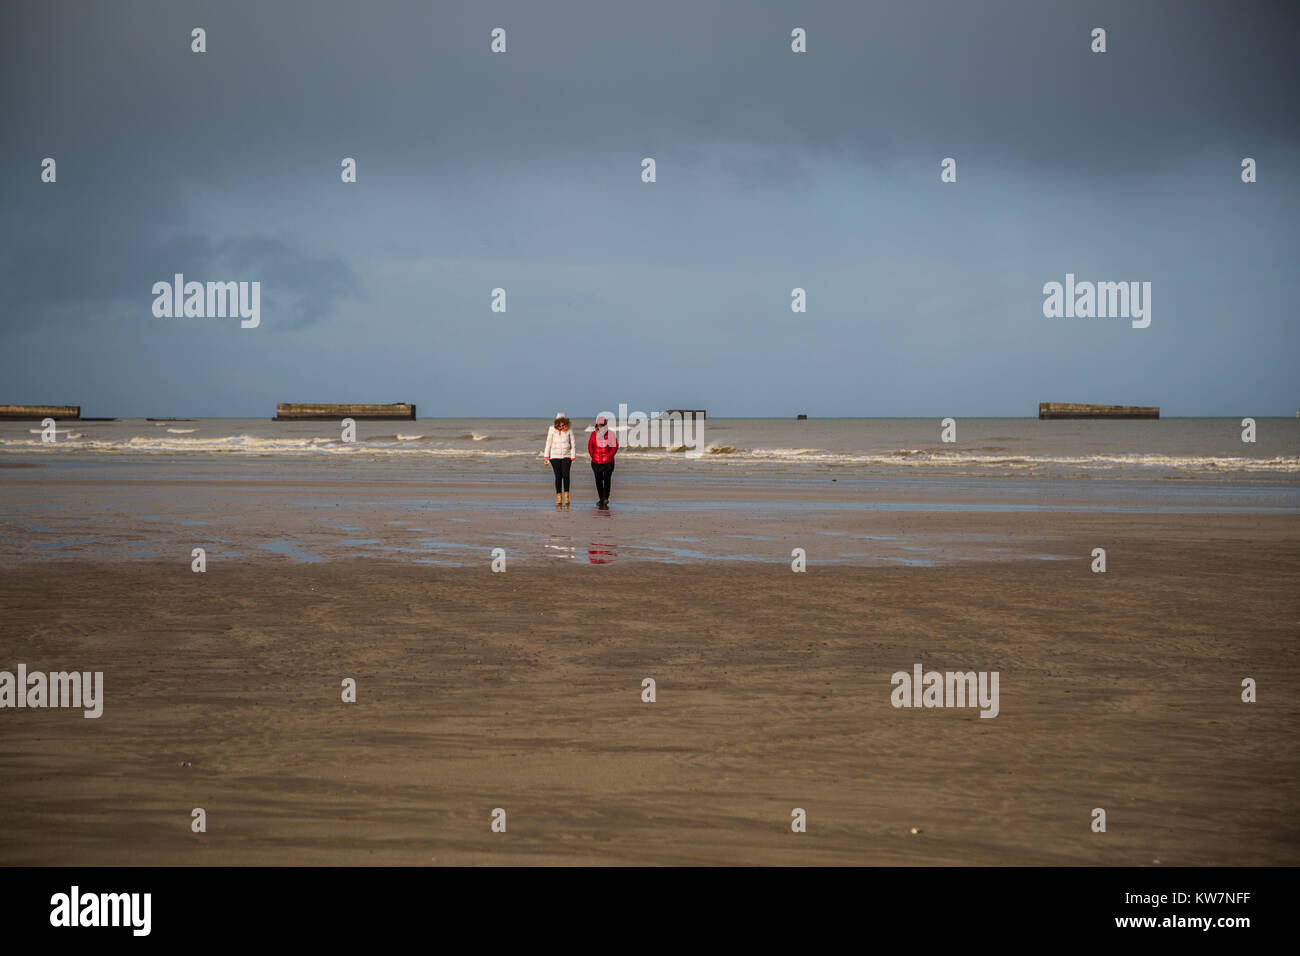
x,y
780,450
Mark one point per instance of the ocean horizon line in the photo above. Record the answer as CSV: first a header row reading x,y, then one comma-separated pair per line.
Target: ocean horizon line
x,y
178,416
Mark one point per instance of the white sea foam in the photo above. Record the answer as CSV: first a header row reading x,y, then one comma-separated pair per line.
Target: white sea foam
x,y
475,446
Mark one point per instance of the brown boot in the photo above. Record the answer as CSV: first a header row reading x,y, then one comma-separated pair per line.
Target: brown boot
x,y
566,499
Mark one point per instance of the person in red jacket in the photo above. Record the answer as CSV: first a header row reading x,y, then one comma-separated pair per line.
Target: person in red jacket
x,y
602,446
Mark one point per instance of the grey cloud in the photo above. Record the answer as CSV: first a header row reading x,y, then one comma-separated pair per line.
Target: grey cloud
x,y
775,170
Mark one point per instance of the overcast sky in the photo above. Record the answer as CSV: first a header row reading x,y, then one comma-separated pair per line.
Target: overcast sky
x,y
775,170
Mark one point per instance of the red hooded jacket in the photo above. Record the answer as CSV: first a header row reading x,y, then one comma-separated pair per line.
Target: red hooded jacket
x,y
602,449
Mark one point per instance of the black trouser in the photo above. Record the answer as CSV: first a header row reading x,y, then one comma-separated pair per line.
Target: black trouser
x,y
603,474
561,468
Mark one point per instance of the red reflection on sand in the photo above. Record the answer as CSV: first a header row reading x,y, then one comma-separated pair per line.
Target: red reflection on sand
x,y
600,553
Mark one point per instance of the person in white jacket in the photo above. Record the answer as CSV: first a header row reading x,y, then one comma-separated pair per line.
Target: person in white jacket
x,y
560,451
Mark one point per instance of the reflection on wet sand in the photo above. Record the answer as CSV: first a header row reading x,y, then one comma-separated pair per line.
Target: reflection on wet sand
x,y
601,553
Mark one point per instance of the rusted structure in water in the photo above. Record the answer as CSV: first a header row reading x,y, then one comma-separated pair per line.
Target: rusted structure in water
x,y
1070,410
300,412
37,412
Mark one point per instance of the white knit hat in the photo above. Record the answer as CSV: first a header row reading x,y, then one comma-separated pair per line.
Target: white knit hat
x,y
561,415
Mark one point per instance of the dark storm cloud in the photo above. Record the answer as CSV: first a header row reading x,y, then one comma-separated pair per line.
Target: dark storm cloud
x,y
94,255
299,288
415,84
774,170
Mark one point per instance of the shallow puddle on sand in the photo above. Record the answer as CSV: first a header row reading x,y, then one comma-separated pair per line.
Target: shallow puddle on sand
x,y
291,549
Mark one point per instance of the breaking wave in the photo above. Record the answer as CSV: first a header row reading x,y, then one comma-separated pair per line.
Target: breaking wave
x,y
177,441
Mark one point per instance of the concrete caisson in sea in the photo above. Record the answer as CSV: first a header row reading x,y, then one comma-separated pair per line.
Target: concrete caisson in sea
x,y
1071,410
37,412
299,412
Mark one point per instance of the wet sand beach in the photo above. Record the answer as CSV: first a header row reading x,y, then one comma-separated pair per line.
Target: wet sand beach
x,y
522,690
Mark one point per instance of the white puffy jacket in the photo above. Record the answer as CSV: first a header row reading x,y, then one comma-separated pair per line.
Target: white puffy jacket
x,y
559,444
